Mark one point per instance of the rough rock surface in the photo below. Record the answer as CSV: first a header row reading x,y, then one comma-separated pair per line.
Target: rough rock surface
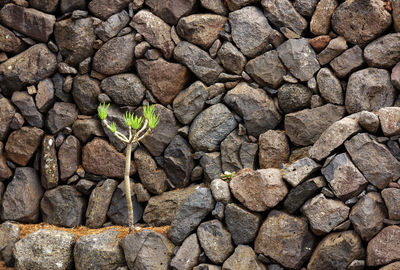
x,y
188,254
244,258
274,149
241,223
300,170
9,235
391,196
171,10
384,247
124,89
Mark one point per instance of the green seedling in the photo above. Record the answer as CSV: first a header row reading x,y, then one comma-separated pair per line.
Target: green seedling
x,y
138,129
227,176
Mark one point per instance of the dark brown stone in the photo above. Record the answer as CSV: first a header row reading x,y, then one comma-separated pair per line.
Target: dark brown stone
x,y
49,164
5,171
7,112
9,42
274,149
171,10
69,156
60,116
105,8
384,248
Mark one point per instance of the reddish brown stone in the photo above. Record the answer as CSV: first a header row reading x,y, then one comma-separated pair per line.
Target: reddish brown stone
x,y
69,157
320,42
384,248
5,171
274,149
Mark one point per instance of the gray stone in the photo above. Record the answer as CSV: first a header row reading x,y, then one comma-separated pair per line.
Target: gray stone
x,y
61,115
45,95
45,249
258,190
154,30
7,112
206,266
85,128
49,163
142,195
380,170
215,240
85,186
329,87
348,62
337,251
115,56
248,154
324,214
85,91
22,197
198,61
250,20
300,170
218,211
244,258
9,235
193,210
98,251
298,56
383,52
188,254
231,58
321,18
369,121
390,120
391,196
230,152
190,102
255,107
384,247
147,250
293,97
63,206
301,193
216,6
396,14
171,10
367,215
212,165
28,109
124,89
305,7
112,25
98,204
281,13
306,126
395,76
69,155
267,69
103,8
286,239
241,223
210,127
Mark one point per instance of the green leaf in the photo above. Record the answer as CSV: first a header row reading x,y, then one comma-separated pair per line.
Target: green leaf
x,y
113,127
148,111
102,110
153,120
128,117
137,122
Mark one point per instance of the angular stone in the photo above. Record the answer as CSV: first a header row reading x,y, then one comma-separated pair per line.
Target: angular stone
x,y
22,197
188,254
384,247
210,127
220,191
99,251
85,128
28,21
285,238
27,68
390,120
211,165
5,171
28,109
75,39
49,163
231,58
367,215
380,170
9,42
7,112
383,52
49,6
61,115
230,152
111,27
204,36
343,177
301,193
63,206
360,22
305,7
395,76
274,149
115,56
154,30
189,215
45,95
255,107
241,223
164,79
124,89
250,20
198,61
207,266
348,61
98,204
281,13
101,158
320,42
391,196
329,87
258,190
161,209
190,102
267,69
305,127
216,6
118,209
22,144
9,235
104,8
392,266
325,214
298,56
321,19
153,178
45,249
69,156
335,47
244,258
85,91
215,241
293,97
369,121
337,251
171,10
147,250
178,160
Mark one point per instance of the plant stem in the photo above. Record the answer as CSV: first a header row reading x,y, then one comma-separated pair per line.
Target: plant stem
x,y
128,185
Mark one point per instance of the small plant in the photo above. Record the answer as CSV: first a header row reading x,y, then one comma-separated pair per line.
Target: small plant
x,y
138,128
227,176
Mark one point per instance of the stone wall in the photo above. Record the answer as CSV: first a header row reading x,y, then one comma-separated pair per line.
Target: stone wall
x,y
299,98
